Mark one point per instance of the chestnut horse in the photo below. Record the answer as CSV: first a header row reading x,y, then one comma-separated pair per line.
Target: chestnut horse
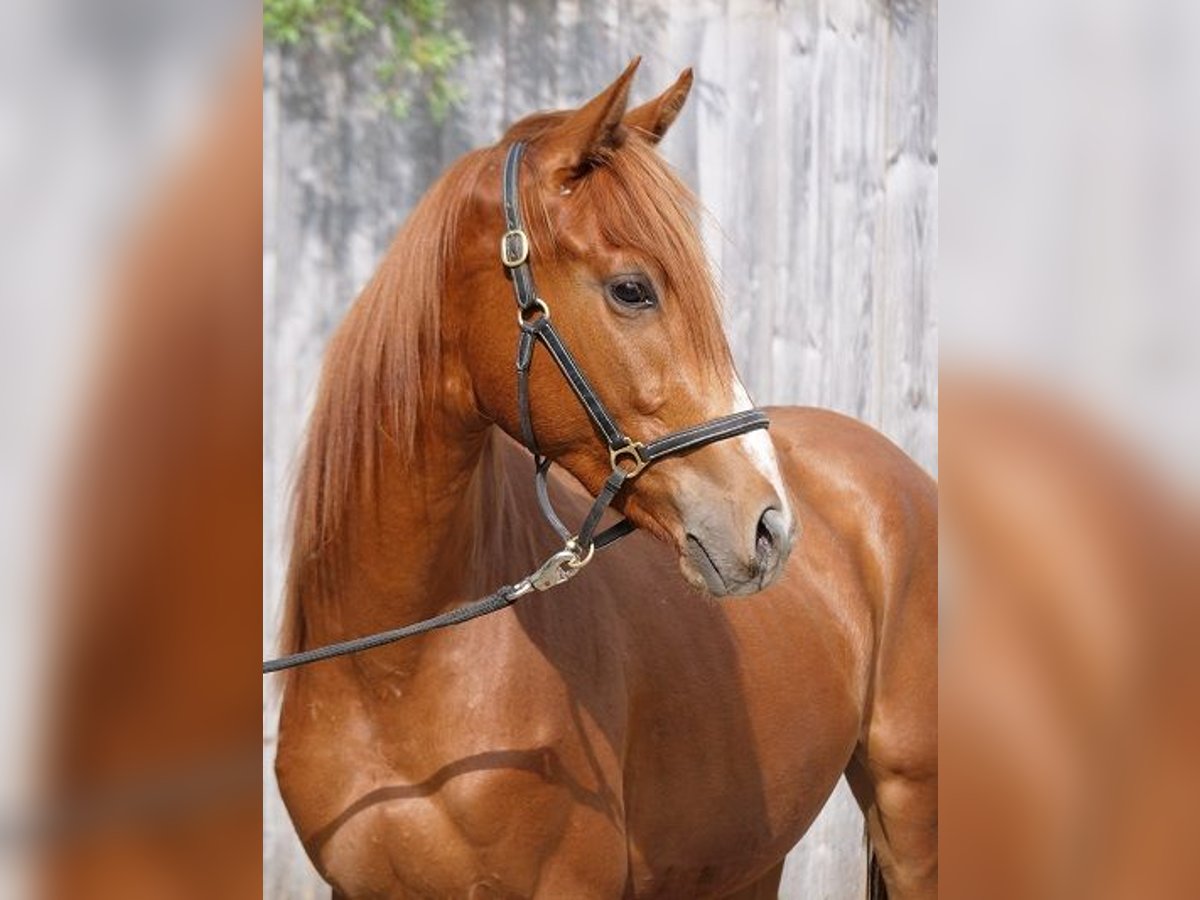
x,y
626,735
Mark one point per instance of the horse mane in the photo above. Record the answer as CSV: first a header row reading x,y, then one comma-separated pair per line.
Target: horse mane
x,y
381,370
382,366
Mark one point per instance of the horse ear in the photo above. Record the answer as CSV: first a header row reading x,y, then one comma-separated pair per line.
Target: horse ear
x,y
653,118
589,134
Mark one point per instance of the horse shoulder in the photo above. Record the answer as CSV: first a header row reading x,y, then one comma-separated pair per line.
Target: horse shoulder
x,y
465,810
861,484
880,503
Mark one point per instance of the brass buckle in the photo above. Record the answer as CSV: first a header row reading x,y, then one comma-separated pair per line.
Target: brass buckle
x,y
631,450
517,258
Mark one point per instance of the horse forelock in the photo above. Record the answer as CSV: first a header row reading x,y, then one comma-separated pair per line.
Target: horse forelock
x,y
634,200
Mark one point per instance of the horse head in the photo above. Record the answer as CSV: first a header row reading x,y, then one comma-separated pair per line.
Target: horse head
x,y
612,236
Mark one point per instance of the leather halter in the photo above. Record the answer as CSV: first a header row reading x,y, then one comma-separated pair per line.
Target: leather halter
x,y
627,456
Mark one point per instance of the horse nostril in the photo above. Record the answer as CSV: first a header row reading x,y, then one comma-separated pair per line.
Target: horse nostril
x,y
770,540
764,541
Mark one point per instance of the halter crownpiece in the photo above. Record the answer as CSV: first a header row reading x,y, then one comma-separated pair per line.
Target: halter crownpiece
x,y
627,456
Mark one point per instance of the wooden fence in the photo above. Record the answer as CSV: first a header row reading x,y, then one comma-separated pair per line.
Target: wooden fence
x,y
811,139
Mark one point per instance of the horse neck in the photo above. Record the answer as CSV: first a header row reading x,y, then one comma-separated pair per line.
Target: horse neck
x,y
409,544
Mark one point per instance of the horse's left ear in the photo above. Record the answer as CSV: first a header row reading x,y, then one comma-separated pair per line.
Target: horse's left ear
x,y
653,118
586,136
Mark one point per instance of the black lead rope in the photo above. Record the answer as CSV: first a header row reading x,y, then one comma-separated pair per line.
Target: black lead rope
x,y
506,596
628,457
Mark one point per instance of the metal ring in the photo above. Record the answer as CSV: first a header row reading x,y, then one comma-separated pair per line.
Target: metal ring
x,y
633,451
538,304
579,561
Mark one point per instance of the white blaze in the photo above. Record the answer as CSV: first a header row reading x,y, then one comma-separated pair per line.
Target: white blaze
x,y
759,448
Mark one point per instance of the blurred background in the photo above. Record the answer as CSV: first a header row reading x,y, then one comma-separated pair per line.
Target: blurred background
x,y
130,373
810,138
134,139
1069,295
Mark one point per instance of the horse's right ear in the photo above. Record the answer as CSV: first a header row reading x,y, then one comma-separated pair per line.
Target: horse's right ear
x,y
587,136
653,118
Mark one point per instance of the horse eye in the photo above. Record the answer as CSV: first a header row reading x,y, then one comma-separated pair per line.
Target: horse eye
x,y
632,293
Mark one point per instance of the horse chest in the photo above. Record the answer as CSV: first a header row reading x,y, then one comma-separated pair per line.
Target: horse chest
x,y
682,772
728,768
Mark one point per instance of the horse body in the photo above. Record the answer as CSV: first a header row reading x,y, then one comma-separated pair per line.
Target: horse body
x,y
626,735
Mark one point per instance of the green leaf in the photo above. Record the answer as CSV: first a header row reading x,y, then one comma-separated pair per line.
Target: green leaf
x,y
413,49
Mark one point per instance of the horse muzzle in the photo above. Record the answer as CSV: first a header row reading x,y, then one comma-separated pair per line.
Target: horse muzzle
x,y
725,561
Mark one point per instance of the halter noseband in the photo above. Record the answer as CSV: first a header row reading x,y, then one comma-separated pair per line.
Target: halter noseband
x,y
627,456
